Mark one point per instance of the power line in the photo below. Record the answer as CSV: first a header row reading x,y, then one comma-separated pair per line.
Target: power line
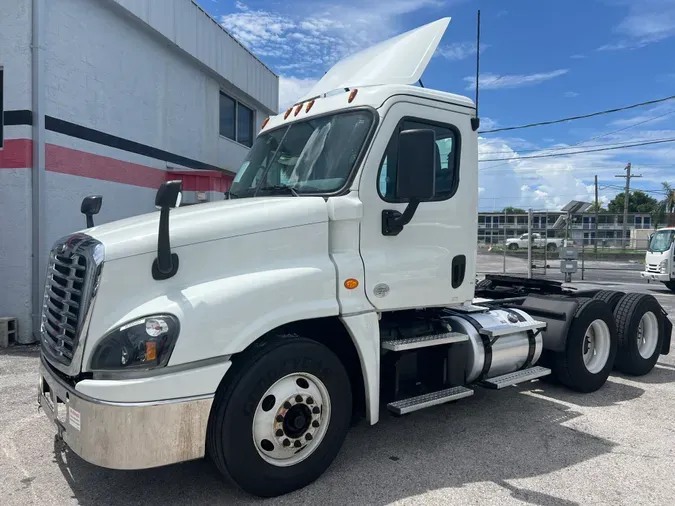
x,y
583,116
636,144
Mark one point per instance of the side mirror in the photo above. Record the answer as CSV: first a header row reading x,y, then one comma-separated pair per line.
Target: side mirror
x,y
91,205
417,161
418,158
168,196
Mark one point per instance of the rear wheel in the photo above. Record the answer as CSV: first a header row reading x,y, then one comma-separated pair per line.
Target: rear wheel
x,y
513,246
590,349
641,328
280,421
611,297
551,246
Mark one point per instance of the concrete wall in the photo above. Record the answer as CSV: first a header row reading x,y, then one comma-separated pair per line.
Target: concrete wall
x,y
131,90
15,163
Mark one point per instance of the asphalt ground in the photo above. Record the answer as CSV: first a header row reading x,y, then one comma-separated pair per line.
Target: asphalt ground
x,y
536,444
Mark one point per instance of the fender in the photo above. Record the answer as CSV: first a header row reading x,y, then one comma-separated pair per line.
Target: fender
x,y
225,295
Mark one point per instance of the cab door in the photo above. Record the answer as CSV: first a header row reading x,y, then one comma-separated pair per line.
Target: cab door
x,y
431,261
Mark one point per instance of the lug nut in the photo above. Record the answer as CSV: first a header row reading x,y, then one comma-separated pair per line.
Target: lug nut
x,y
297,444
279,418
298,398
287,405
286,442
308,437
279,433
310,400
316,410
315,424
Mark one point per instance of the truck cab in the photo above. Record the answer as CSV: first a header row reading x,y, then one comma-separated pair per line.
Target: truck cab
x,y
337,281
660,258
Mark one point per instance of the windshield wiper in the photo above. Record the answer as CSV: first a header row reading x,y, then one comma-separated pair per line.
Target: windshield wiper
x,y
280,188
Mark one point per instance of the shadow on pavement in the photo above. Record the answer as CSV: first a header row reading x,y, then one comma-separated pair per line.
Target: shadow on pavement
x,y
492,437
662,373
610,394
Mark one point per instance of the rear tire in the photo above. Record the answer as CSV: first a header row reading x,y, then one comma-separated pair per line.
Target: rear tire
x,y
551,246
513,247
262,413
641,329
590,349
611,297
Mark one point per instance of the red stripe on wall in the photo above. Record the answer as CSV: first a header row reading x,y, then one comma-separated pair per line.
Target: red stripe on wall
x,y
83,164
16,154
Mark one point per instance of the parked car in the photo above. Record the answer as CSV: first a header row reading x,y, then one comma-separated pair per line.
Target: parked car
x,y
551,243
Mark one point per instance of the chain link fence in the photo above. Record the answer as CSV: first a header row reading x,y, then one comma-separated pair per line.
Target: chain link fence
x,y
530,244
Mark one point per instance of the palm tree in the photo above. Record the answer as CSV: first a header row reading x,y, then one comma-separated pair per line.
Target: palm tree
x,y
665,211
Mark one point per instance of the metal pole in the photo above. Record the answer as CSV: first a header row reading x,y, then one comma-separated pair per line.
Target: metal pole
x,y
529,243
583,249
545,242
504,253
595,242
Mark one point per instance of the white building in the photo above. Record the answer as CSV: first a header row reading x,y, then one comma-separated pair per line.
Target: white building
x,y
112,97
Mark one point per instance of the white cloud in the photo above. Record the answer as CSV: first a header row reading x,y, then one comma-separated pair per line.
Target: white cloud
x,y
291,89
495,81
578,56
571,94
488,123
647,22
459,50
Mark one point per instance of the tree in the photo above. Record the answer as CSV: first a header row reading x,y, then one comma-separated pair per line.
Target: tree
x,y
514,210
639,202
598,206
665,210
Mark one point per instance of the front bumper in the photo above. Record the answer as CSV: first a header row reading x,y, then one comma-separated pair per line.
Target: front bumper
x,y
125,435
652,276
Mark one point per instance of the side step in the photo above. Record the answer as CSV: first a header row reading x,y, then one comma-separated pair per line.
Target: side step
x,y
512,328
423,341
418,402
513,378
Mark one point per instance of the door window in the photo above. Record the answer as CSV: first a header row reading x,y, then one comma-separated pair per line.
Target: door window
x,y
447,160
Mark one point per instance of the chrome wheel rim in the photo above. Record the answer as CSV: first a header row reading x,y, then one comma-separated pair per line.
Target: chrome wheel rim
x,y
291,419
595,346
647,335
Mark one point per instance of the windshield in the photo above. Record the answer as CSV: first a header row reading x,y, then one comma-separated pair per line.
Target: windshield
x,y
661,241
312,156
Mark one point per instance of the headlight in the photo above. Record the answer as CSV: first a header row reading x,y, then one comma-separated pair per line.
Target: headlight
x,y
145,343
663,266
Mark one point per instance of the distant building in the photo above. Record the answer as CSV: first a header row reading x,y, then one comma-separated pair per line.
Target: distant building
x,y
112,97
495,228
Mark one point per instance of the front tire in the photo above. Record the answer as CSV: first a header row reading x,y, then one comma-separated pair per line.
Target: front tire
x,y
552,246
279,422
670,285
641,329
513,246
590,349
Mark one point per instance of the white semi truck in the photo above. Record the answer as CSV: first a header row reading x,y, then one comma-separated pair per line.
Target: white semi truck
x,y
660,258
338,278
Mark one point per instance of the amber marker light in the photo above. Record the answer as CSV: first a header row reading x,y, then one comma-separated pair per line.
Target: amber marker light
x,y
310,104
288,112
352,95
298,109
351,283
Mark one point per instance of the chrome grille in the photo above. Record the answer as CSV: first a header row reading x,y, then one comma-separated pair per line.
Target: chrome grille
x,y
73,272
653,268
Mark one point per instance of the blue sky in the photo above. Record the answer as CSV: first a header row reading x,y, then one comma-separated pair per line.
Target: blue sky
x,y
540,60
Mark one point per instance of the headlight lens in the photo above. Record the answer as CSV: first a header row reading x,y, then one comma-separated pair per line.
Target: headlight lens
x,y
145,343
664,266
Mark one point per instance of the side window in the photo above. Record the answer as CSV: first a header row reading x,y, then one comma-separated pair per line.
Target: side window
x,y
447,159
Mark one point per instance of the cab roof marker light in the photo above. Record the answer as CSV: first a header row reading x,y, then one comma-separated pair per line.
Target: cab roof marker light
x,y
298,109
264,123
309,105
352,95
288,112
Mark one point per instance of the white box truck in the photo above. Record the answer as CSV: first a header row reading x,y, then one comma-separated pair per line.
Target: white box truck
x,y
660,258
338,278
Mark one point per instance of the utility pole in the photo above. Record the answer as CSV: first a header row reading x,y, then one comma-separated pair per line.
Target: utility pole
x,y
597,207
626,196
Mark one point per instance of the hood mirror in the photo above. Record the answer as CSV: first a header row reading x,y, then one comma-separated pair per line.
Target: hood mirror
x,y
168,196
91,205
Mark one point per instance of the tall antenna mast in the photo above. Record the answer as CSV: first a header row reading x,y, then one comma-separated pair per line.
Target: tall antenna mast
x,y
475,122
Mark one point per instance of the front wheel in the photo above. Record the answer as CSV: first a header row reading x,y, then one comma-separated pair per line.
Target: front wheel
x,y
551,246
513,246
670,285
280,421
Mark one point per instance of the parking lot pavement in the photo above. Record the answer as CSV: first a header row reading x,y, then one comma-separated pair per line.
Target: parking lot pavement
x,y
535,444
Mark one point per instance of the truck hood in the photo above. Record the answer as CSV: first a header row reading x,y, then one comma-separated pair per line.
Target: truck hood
x,y
208,222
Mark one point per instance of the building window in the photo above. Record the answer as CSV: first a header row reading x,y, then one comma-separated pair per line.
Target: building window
x,y
236,120
2,109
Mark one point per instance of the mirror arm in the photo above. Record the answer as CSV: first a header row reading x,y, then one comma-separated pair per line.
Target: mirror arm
x,y
393,221
165,265
90,220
